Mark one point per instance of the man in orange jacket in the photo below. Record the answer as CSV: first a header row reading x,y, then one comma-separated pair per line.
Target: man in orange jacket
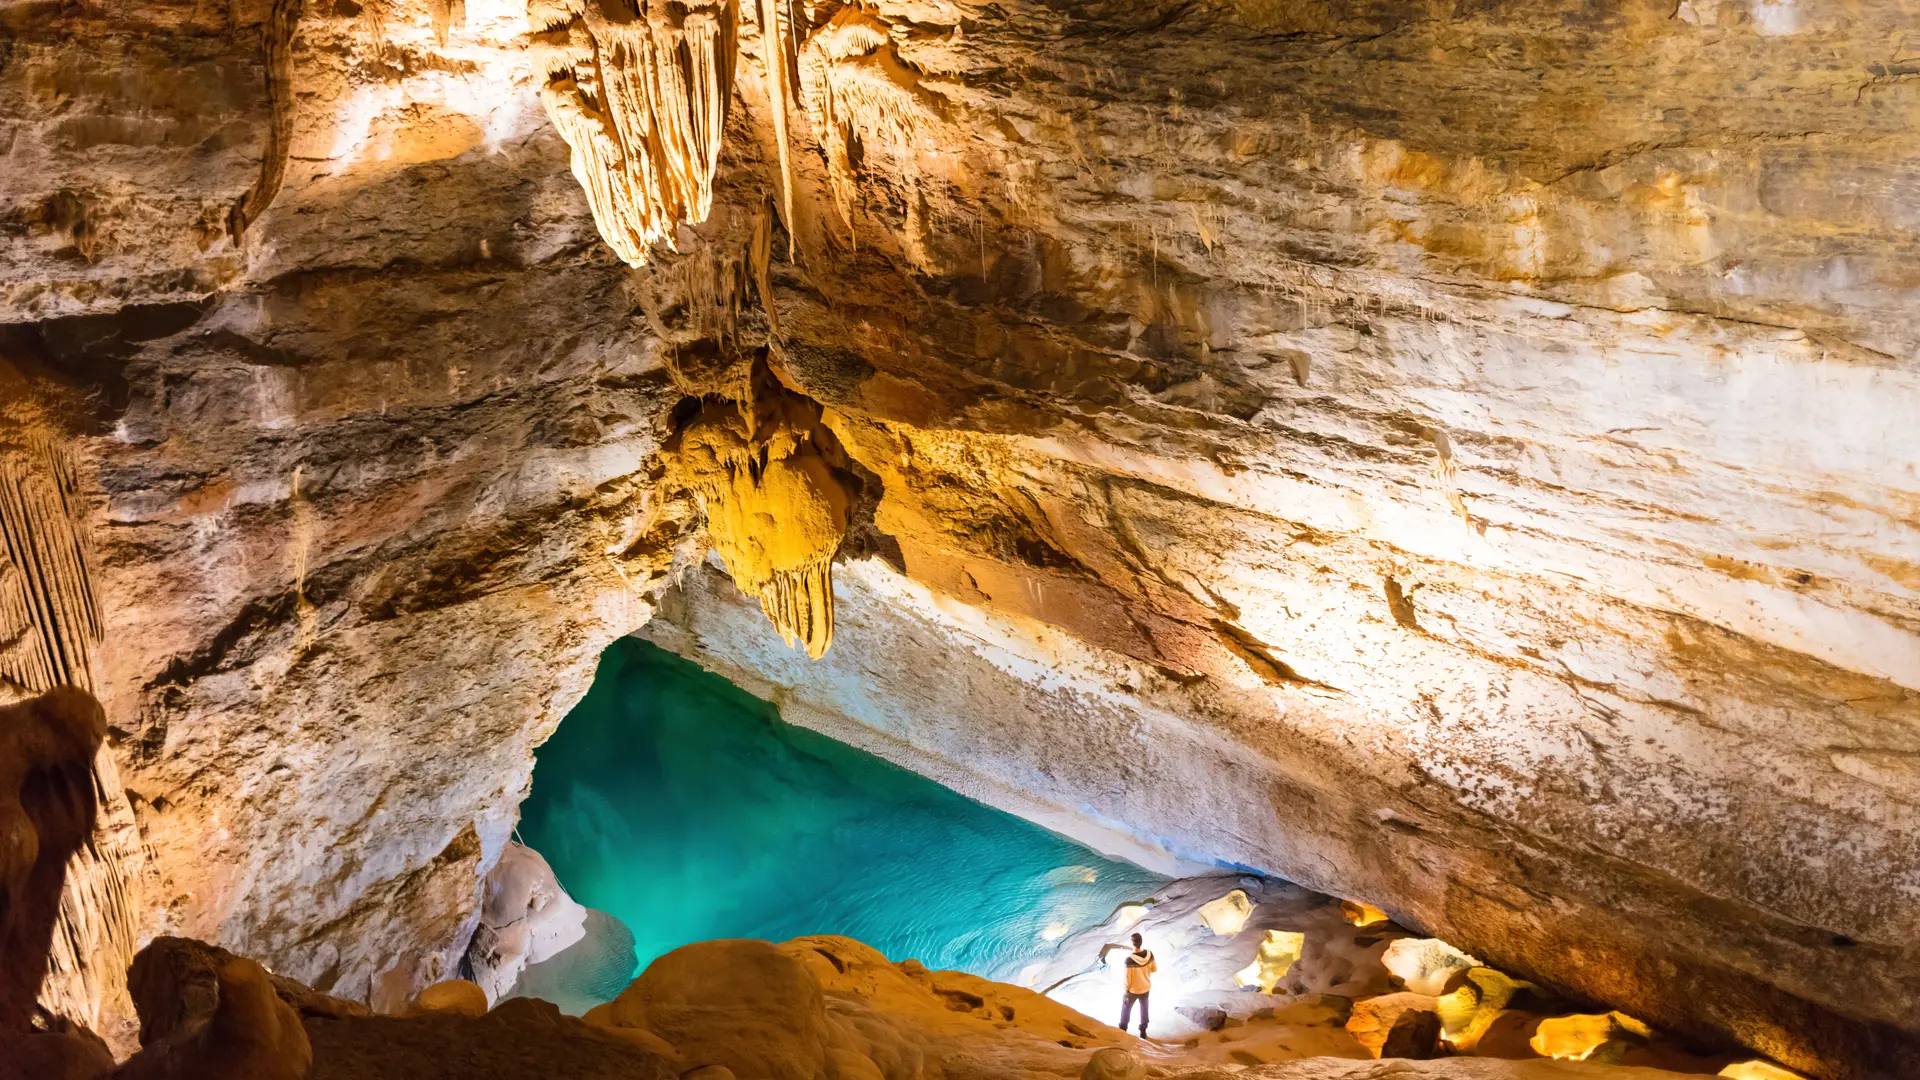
x,y
1140,968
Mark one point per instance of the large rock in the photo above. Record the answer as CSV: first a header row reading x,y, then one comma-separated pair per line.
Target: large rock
x,y
744,1005
525,917
207,1013
1426,965
1374,1020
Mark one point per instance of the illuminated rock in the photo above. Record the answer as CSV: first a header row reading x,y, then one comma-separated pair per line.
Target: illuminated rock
x,y
1363,915
1424,965
1277,952
1205,1019
456,997
1113,1063
525,918
1372,1020
1228,914
639,89
776,510
1758,1070
1506,1034
1580,1038
1474,997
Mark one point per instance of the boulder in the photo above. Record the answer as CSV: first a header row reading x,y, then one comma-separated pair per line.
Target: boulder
x,y
210,1015
1113,1063
525,917
741,1004
458,997
1373,1018
1206,1019
1475,996
1582,1037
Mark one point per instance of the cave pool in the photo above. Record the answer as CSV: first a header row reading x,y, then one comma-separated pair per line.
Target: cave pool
x,y
687,809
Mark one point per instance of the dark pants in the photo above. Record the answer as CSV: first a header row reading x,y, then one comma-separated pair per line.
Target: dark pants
x,y
1126,1012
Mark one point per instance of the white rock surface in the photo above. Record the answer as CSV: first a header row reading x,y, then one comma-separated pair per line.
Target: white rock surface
x,y
1423,965
525,917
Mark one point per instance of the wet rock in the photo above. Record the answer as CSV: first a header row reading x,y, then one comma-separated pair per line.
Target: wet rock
x,y
525,918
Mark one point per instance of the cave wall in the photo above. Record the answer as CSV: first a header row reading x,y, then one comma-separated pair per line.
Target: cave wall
x,y
351,475
1485,429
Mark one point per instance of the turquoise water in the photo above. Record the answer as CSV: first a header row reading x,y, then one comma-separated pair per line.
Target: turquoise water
x,y
688,810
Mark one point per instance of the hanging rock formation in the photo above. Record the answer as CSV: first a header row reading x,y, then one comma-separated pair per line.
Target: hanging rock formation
x,y
639,89
776,509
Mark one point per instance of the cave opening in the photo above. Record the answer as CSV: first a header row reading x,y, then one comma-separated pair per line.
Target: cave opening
x,y
679,808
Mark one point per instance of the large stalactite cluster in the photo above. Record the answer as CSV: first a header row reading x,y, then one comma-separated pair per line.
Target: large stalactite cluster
x,y
765,472
639,89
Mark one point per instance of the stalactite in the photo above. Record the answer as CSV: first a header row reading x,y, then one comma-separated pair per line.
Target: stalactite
x,y
639,90
759,257
49,628
860,92
776,508
779,41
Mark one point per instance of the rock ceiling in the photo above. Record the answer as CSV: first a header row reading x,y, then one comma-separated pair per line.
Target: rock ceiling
x,y
1461,457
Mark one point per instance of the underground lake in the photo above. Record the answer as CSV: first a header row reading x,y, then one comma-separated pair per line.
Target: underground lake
x,y
686,809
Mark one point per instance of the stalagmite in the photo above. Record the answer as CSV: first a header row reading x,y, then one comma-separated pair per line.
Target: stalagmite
x,y
776,511
639,90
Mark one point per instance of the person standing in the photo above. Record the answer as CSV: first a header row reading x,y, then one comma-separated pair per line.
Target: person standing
x,y
1140,967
